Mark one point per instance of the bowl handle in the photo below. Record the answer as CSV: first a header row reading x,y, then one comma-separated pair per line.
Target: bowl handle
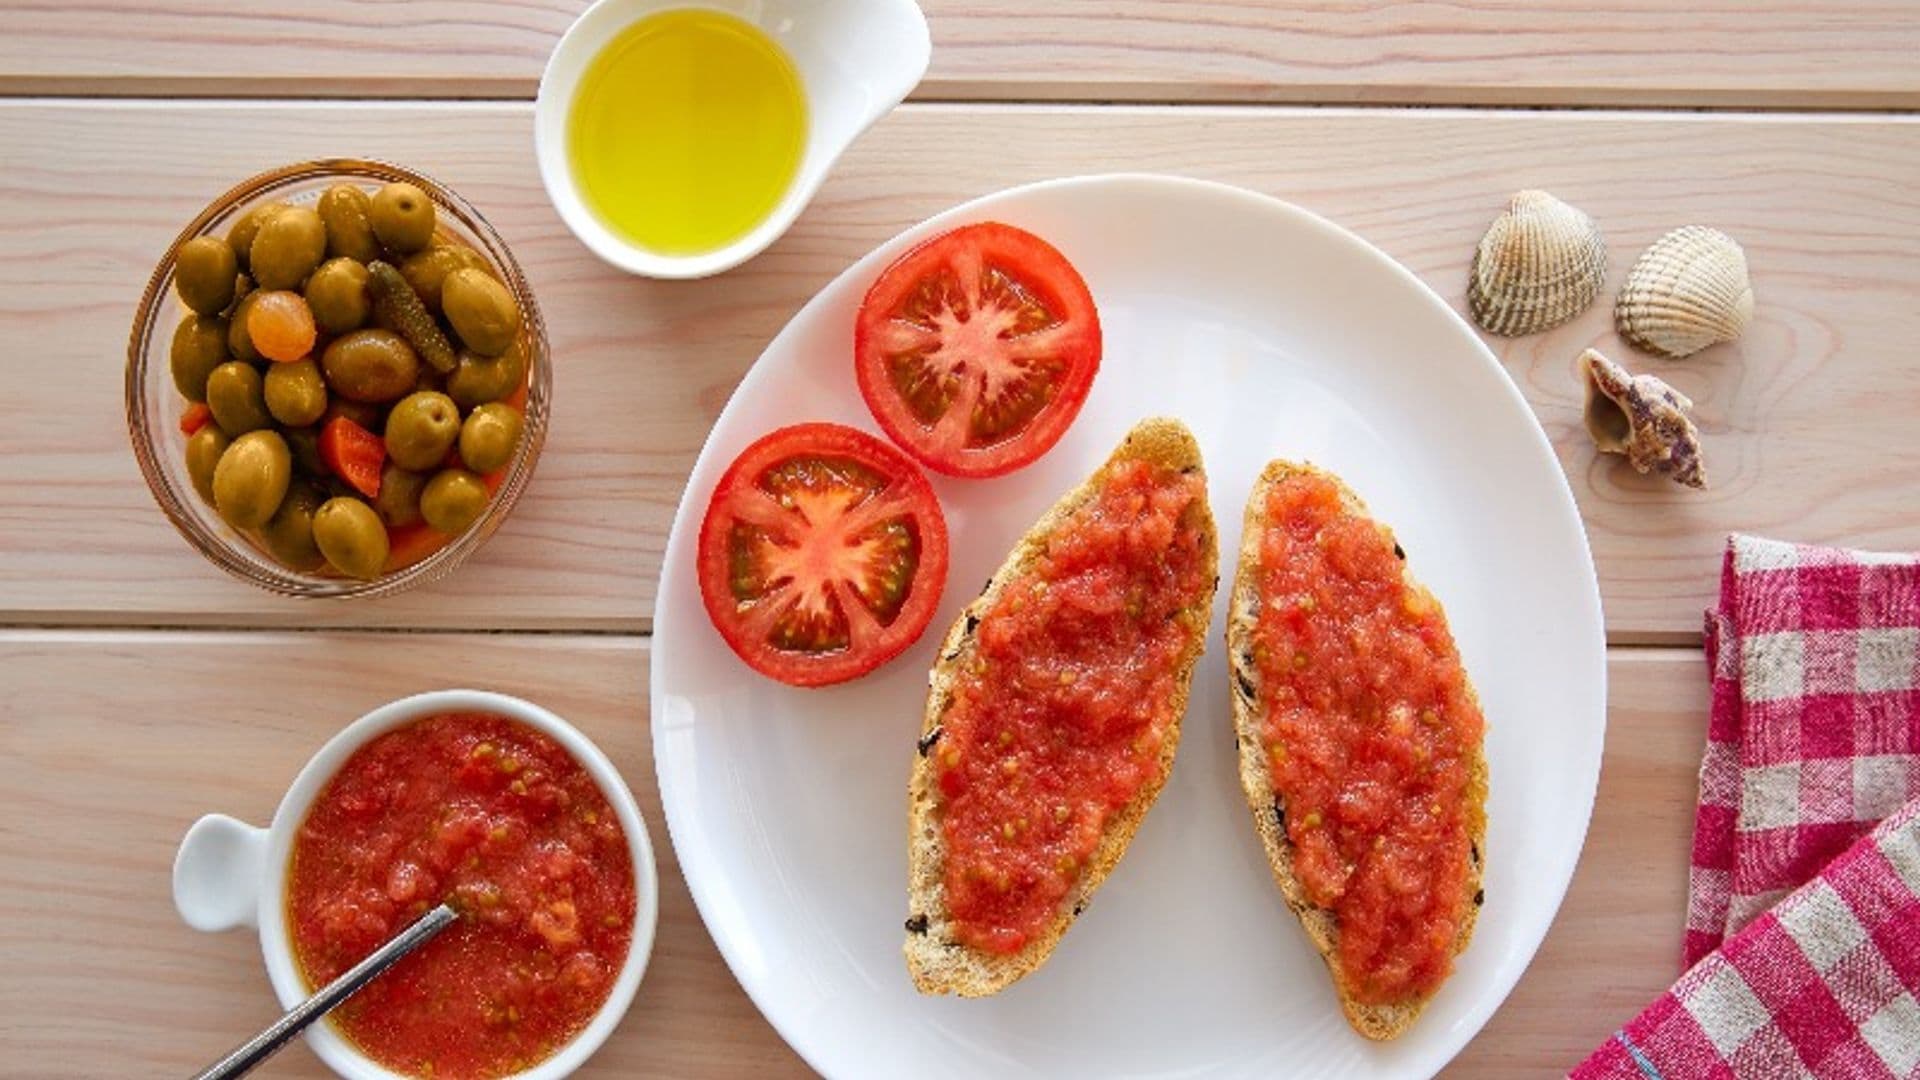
x,y
217,876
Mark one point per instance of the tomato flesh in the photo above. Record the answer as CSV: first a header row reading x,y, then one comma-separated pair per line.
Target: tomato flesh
x,y
976,349
822,554
1371,730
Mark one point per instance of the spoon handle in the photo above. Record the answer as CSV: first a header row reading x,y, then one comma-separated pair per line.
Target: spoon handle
x,y
243,1058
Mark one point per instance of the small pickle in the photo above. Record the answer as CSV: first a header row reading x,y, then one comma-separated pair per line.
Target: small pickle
x,y
481,311
489,437
427,270
398,503
238,399
296,393
421,429
453,500
204,448
199,346
345,211
351,536
403,218
251,479
204,272
289,532
240,237
287,248
396,305
337,293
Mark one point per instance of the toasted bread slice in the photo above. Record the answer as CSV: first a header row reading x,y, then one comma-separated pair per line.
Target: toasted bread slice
x,y
1375,1021
937,960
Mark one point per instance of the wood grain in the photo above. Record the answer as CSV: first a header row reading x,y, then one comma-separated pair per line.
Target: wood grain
x,y
1769,53
1808,420
103,979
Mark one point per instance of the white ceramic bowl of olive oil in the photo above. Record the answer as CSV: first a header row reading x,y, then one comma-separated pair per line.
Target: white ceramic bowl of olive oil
x,y
678,140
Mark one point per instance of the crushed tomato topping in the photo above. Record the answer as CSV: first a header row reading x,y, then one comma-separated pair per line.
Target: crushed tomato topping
x,y
499,821
1059,718
1370,732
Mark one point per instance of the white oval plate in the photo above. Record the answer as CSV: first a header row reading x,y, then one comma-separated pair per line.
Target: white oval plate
x,y
1271,332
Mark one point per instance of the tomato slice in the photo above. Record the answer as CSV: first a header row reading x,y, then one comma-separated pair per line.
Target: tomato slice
x,y
353,454
822,554
976,349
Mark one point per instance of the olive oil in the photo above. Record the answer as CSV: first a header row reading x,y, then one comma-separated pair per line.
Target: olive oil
x,y
687,130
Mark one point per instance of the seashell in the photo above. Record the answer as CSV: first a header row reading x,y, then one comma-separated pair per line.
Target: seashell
x,y
1540,264
1643,418
1688,291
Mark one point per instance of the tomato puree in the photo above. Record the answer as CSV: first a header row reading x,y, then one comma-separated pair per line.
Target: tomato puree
x,y
498,820
1371,731
1060,717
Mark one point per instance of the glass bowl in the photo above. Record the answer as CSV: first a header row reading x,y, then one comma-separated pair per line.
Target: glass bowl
x,y
154,406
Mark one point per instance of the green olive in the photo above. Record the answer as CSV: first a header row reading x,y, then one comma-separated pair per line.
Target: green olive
x,y
345,210
421,429
199,346
489,437
204,448
252,478
288,534
205,271
351,536
238,399
427,270
370,365
239,342
369,416
296,393
403,218
453,500
305,444
240,237
481,311
337,293
480,379
398,503
287,248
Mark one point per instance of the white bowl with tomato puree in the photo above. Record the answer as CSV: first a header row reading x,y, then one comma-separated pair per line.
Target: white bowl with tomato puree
x,y
486,802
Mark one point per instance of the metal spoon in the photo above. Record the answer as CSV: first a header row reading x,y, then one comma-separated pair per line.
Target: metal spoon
x,y
242,1059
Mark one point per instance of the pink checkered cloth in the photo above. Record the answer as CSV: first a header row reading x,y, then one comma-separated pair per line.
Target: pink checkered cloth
x,y
1823,985
1815,732
1813,741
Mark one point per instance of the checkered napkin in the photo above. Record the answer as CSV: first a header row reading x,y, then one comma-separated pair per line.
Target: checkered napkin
x,y
1814,739
1815,732
1823,985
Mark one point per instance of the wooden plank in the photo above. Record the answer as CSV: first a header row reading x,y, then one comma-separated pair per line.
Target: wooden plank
x,y
118,741
1771,53
1615,945
1808,420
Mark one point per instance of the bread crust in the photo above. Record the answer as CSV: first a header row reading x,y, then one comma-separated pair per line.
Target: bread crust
x,y
938,962
1374,1021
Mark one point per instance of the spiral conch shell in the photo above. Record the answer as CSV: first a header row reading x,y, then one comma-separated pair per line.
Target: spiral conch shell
x,y
1690,290
1541,263
1643,418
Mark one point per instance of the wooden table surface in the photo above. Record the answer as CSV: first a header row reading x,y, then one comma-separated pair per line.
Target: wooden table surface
x,y
139,687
